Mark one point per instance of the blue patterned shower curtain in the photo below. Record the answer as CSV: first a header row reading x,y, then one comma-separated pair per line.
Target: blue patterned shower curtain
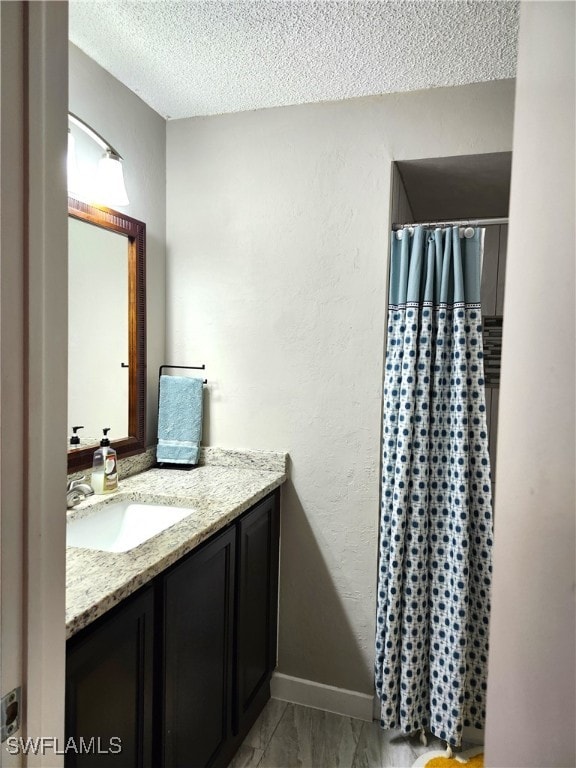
x,y
436,516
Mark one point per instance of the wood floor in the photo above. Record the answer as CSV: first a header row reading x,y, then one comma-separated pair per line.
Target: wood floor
x,y
292,736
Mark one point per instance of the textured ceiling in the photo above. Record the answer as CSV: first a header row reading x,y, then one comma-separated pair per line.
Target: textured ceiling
x,y
201,58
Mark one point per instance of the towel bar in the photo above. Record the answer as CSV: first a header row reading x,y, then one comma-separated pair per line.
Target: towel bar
x,y
186,367
166,465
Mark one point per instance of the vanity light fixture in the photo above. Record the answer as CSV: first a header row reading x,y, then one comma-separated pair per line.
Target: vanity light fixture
x,y
111,189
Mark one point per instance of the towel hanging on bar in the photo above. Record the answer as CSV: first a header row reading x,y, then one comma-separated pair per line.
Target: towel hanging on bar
x,y
179,420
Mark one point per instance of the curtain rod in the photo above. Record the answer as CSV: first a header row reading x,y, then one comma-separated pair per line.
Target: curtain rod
x,y
453,223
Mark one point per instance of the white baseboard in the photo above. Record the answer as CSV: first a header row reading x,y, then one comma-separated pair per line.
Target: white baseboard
x,y
319,696
361,706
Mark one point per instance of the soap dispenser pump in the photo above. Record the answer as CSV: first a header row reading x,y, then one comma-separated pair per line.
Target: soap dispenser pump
x,y
105,467
75,437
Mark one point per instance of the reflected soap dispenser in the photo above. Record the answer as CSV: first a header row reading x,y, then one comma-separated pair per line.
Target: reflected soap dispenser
x,y
75,438
104,467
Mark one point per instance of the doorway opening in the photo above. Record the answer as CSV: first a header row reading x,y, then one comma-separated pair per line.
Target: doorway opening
x,y
467,187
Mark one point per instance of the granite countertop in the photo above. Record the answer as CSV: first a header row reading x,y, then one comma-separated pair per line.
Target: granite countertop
x,y
229,483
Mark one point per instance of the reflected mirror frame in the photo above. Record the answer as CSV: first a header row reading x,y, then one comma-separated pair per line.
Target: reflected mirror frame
x,y
135,232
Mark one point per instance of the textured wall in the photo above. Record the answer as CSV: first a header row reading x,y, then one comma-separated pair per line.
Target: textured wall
x,y
276,272
401,211
139,134
531,707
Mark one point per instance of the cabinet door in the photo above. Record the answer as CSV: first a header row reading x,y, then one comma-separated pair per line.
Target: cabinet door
x,y
198,642
109,679
258,541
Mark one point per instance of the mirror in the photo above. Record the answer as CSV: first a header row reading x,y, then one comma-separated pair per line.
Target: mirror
x,y
106,331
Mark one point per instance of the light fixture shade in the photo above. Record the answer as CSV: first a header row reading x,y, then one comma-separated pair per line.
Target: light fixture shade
x,y
74,186
110,182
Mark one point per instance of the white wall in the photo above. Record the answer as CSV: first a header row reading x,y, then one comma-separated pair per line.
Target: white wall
x,y
139,134
531,707
276,271
400,208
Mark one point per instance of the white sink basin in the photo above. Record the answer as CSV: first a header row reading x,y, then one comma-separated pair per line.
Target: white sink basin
x,y
122,526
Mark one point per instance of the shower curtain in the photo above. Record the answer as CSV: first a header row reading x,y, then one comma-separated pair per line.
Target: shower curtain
x,y
436,512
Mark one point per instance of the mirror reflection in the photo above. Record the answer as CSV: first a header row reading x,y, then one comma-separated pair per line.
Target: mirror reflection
x,y
107,331
98,382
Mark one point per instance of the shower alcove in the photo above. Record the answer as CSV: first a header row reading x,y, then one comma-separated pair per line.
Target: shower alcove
x,y
466,187
435,572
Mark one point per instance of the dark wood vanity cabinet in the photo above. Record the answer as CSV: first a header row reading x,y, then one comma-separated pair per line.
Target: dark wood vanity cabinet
x,y
181,670
198,639
257,593
109,688
219,638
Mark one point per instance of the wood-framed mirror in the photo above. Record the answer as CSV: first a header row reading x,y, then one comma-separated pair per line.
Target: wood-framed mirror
x,y
107,313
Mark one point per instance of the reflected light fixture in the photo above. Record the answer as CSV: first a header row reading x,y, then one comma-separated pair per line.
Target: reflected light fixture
x,y
74,181
110,186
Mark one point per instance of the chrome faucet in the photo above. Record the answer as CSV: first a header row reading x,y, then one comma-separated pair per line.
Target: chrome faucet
x,y
77,491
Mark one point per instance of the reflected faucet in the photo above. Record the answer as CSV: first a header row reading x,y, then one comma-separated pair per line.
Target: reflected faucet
x,y
77,491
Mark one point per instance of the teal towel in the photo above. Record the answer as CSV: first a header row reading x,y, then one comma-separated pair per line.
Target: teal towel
x,y
179,420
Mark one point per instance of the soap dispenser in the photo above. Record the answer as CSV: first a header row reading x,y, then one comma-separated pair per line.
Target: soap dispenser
x,y
104,467
75,437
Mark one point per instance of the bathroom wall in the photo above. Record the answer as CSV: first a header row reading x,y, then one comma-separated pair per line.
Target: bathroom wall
x,y
139,134
400,208
531,672
276,271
